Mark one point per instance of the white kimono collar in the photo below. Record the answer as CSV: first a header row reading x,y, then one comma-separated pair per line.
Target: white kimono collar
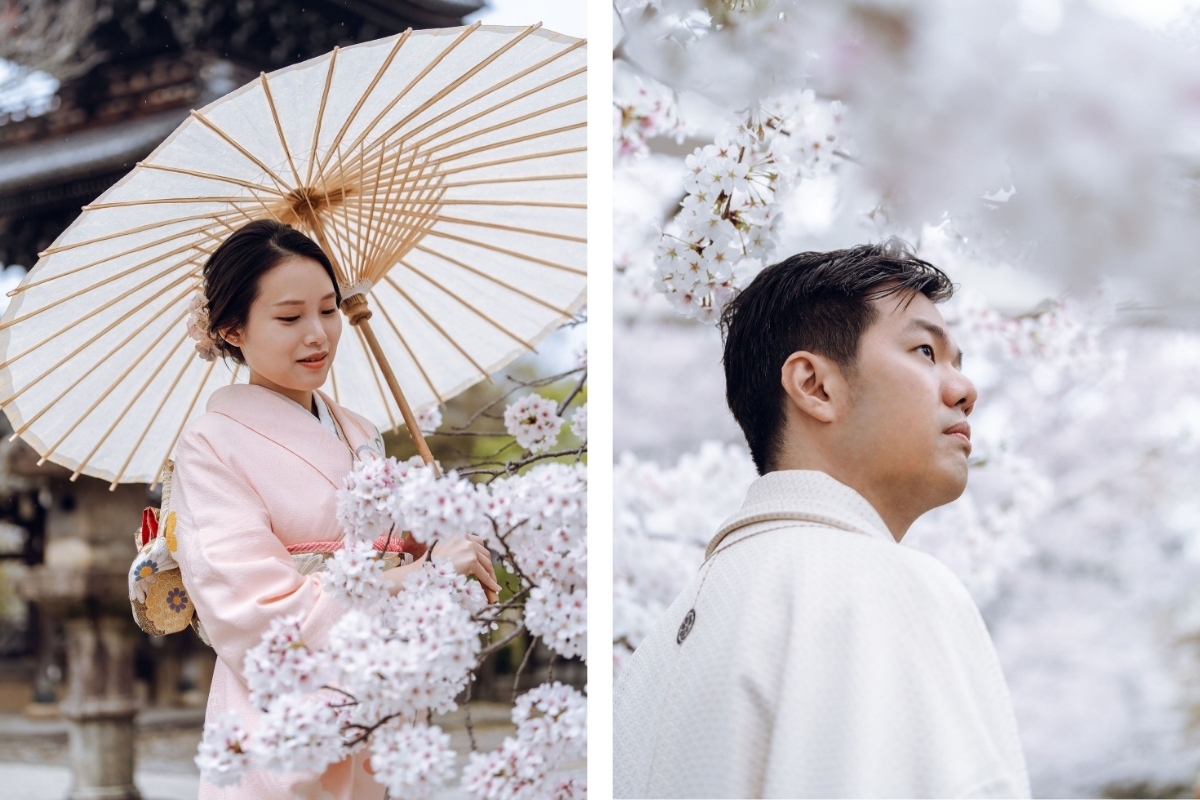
x,y
805,496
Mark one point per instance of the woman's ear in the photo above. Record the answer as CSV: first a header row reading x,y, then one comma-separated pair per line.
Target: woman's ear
x,y
814,384
231,335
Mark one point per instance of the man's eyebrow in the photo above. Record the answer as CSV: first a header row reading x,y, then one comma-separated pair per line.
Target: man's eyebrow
x,y
939,332
329,296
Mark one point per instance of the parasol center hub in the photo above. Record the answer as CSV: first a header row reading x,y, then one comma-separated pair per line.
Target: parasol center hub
x,y
355,308
308,201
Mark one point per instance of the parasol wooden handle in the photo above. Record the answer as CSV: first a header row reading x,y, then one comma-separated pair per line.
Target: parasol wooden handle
x,y
355,307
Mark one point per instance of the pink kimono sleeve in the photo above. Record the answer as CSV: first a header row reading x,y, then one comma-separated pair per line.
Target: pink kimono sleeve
x,y
237,572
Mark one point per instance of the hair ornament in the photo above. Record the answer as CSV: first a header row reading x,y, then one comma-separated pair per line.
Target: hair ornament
x,y
197,327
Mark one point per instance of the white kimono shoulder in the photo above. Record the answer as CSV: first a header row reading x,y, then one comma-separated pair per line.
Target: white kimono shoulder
x,y
813,656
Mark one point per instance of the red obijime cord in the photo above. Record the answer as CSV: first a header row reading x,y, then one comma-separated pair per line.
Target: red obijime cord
x,y
396,545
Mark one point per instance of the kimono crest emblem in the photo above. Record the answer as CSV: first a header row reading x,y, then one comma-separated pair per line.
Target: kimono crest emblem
x,y
685,627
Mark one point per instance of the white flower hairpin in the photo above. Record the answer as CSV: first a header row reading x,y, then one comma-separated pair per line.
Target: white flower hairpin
x,y
197,327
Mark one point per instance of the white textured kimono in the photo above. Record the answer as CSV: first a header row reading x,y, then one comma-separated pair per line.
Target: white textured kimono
x,y
821,659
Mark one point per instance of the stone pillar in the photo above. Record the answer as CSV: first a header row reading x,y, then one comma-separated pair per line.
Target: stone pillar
x,y
99,708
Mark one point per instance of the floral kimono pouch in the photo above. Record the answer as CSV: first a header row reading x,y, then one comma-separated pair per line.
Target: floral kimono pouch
x,y
160,602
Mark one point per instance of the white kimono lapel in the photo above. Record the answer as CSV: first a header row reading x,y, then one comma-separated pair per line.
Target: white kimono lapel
x,y
273,417
803,496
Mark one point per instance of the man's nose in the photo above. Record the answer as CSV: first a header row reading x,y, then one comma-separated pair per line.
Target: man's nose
x,y
960,392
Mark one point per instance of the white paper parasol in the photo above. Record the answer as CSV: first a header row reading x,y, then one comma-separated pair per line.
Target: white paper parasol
x,y
443,171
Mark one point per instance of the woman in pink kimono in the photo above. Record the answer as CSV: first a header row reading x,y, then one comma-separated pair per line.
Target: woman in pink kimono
x,y
256,478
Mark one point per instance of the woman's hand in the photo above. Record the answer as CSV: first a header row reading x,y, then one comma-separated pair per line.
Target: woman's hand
x,y
470,557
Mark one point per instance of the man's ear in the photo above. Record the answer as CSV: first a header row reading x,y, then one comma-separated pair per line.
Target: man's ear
x,y
814,384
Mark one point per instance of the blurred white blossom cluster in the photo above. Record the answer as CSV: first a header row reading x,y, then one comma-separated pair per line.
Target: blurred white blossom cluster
x,y
392,660
726,228
662,521
1053,136
551,735
649,110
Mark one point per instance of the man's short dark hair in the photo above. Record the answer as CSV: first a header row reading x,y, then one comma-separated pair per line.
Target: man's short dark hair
x,y
819,302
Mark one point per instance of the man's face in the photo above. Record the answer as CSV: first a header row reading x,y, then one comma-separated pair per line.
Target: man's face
x,y
906,428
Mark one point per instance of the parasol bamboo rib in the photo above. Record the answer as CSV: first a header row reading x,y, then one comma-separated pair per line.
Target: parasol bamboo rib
x,y
379,259
87,412
402,247
212,126
356,308
318,229
150,423
452,157
372,241
118,276
410,152
510,203
512,160
312,157
383,396
499,125
57,333
89,370
576,176
70,326
398,218
363,228
184,419
470,307
494,280
137,396
208,176
517,140
139,229
404,343
445,90
498,227
283,141
388,232
345,206
122,254
266,208
498,86
156,201
266,87
439,328
387,62
332,216
333,379
443,235
401,244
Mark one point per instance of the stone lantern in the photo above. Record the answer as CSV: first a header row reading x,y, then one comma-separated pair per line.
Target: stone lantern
x,y
82,582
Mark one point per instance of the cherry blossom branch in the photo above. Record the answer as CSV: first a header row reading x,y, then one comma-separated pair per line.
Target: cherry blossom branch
x,y
512,466
498,646
519,385
521,668
574,392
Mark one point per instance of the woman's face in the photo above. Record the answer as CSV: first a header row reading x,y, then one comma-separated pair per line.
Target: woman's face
x,y
292,332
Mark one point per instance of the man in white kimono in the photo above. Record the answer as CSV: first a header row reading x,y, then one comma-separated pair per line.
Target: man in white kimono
x,y
812,655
